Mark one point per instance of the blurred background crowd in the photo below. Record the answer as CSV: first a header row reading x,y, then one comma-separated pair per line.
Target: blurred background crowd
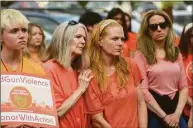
x,y
50,14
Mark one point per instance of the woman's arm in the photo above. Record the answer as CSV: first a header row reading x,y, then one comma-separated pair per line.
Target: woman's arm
x,y
149,99
173,119
142,108
153,105
190,125
98,121
68,103
189,102
183,96
83,80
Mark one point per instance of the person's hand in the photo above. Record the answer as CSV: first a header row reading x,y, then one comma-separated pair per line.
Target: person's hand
x,y
172,120
84,79
190,120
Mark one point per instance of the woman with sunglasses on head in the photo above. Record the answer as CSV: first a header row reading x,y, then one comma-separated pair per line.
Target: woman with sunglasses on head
x,y
186,45
14,35
67,68
36,44
164,82
113,98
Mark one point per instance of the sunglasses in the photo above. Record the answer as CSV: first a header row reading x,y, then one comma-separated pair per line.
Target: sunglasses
x,y
154,27
72,22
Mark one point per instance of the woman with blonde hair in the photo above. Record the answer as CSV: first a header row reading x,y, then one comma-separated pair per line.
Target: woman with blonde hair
x,y
67,66
36,43
115,89
14,35
164,82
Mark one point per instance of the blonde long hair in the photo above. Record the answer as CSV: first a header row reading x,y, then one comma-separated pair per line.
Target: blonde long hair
x,y
96,61
59,48
147,46
42,45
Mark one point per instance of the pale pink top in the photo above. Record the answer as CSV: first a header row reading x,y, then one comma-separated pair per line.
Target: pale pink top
x,y
164,77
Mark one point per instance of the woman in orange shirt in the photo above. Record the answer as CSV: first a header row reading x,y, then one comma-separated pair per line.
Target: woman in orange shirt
x,y
185,45
131,43
36,43
14,35
115,90
66,58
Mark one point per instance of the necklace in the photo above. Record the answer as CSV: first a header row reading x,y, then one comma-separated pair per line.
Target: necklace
x,y
6,67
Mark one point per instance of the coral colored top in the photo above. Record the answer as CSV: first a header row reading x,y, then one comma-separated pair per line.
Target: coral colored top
x,y
125,51
189,70
164,77
132,41
64,83
28,67
119,105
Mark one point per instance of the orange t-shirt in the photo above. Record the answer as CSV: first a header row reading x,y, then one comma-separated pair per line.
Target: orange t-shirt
x,y
125,51
35,58
188,69
119,105
132,41
28,67
130,45
64,83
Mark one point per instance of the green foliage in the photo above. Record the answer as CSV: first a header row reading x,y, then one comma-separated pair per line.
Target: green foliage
x,y
83,3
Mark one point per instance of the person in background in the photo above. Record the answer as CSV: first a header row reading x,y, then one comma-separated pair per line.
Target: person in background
x,y
90,19
185,45
118,15
67,66
115,89
36,43
14,35
128,21
132,36
164,82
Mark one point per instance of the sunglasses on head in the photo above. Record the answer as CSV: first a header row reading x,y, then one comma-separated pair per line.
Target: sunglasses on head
x,y
72,22
154,27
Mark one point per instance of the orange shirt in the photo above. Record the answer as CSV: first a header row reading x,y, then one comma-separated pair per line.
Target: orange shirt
x,y
35,58
188,69
130,45
125,51
64,84
132,41
28,67
119,105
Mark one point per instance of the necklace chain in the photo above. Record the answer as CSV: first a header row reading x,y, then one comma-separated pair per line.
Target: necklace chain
x,y
6,67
